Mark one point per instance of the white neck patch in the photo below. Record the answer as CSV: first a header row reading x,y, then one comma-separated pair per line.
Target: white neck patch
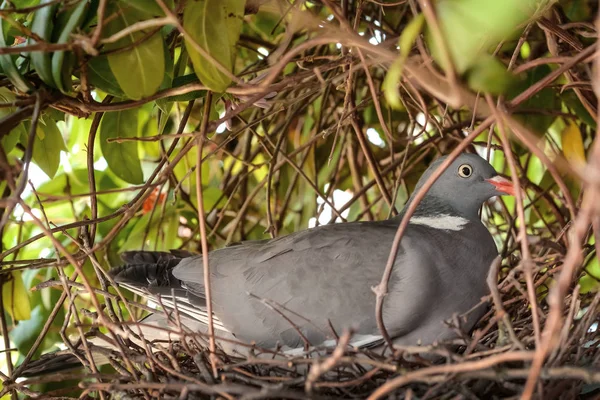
x,y
441,221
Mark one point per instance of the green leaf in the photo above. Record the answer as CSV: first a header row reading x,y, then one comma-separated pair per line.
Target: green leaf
x,y
212,196
154,231
215,26
26,332
590,281
6,96
7,61
63,62
165,105
473,27
122,158
101,76
134,61
15,297
185,80
42,25
572,144
572,102
148,7
74,182
9,141
393,16
576,10
392,78
25,3
47,146
489,75
534,112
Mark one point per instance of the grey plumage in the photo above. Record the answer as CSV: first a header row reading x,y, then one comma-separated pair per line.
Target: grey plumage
x,y
325,274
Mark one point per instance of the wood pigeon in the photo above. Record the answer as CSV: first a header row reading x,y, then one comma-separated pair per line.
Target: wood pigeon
x,y
281,293
292,289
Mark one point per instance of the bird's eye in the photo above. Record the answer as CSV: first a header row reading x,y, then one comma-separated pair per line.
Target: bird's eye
x,y
465,171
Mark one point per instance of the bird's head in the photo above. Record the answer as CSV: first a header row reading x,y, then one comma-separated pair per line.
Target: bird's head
x,y
466,183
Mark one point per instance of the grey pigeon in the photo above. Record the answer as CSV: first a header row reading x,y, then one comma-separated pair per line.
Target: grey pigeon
x,y
287,290
281,292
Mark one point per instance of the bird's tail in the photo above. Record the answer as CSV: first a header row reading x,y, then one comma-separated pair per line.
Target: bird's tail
x,y
150,274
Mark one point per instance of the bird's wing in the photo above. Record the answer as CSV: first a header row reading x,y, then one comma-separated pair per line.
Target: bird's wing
x,y
291,288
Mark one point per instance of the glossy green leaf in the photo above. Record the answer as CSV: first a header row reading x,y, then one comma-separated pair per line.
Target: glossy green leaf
x,y
101,76
122,158
590,281
185,80
74,182
572,102
536,112
43,22
148,7
7,61
165,105
25,3
63,62
212,196
154,231
16,298
489,75
215,26
572,144
471,28
576,10
9,141
26,332
6,96
134,60
393,16
47,145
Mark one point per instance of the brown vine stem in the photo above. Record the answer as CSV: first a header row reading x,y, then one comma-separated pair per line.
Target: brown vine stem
x,y
41,46
436,31
574,257
529,139
375,97
90,166
526,254
100,16
200,140
138,26
370,160
381,290
27,10
423,373
16,195
319,369
492,282
4,332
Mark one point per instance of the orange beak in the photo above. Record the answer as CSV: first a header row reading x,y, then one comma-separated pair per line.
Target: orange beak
x,y
502,185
